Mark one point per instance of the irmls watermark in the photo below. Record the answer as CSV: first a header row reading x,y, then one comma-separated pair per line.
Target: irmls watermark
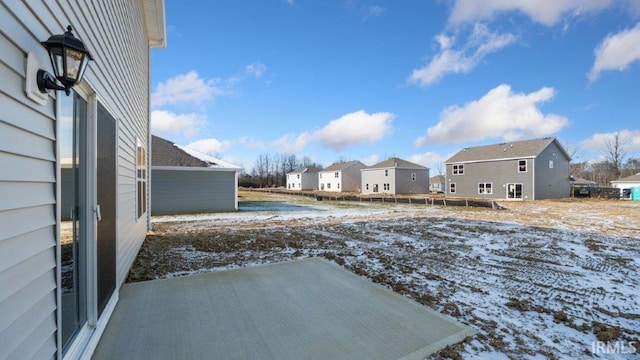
x,y
615,347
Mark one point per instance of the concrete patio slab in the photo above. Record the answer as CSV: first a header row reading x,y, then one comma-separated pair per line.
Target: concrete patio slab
x,y
306,309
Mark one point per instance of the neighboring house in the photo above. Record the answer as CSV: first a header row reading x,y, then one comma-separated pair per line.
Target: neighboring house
x,y
341,176
437,183
73,209
579,182
185,181
302,179
395,176
626,184
520,170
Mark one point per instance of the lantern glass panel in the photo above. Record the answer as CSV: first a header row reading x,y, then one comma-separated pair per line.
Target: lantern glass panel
x,y
74,61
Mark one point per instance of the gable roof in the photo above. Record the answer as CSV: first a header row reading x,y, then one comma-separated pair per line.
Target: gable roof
x,y
437,179
309,170
396,162
632,178
339,166
167,154
510,150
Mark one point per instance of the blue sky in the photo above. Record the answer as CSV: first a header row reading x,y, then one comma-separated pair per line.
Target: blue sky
x,y
366,80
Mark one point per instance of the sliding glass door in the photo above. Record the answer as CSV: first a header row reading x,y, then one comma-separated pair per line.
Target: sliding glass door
x,y
73,173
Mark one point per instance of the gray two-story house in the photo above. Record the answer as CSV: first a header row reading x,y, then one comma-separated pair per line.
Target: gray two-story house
x,y
341,176
520,170
395,176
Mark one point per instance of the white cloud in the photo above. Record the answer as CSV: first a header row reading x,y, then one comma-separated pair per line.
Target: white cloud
x,y
480,43
376,10
210,146
351,129
371,160
290,144
185,88
616,52
165,122
597,141
256,69
547,12
354,128
499,113
429,159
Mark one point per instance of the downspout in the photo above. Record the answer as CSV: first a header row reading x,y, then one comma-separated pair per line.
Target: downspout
x,y
149,144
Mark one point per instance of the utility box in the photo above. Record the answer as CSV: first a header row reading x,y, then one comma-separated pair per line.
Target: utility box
x,y
635,194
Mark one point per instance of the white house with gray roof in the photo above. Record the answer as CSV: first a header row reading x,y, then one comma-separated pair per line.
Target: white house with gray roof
x,y
302,179
626,184
519,170
185,181
341,176
395,176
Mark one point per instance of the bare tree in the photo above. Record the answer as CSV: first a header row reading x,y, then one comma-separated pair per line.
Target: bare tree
x,y
616,148
440,168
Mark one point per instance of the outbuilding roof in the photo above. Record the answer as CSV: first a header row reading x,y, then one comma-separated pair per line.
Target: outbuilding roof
x,y
632,178
395,162
506,150
164,153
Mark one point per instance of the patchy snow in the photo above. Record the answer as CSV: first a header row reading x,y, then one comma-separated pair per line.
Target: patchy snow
x,y
539,280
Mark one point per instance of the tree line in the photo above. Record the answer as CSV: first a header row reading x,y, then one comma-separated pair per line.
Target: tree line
x,y
270,170
615,164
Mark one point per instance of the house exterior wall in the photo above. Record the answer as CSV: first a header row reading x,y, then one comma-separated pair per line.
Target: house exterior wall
x,y
399,180
29,179
351,178
302,181
405,184
373,180
552,179
329,181
497,172
185,192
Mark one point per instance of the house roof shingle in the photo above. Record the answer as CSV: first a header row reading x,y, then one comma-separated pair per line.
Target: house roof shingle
x,y
341,166
632,178
166,153
436,179
509,150
396,162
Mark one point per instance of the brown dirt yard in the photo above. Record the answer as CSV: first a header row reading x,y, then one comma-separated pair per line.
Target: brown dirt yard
x,y
542,279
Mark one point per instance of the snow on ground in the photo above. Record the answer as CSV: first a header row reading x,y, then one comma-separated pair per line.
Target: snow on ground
x,y
545,279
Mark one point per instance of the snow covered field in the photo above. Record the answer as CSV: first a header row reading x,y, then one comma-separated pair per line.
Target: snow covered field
x,y
544,279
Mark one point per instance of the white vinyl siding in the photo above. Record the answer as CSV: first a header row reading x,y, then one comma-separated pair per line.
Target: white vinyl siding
x,y
114,32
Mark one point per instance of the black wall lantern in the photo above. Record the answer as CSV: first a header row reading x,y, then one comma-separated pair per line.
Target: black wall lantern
x,y
69,59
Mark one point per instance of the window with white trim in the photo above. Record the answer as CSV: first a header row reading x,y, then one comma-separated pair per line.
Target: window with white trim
x,y
385,186
337,174
550,164
457,169
386,172
366,186
522,165
141,178
328,185
413,176
485,188
452,188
